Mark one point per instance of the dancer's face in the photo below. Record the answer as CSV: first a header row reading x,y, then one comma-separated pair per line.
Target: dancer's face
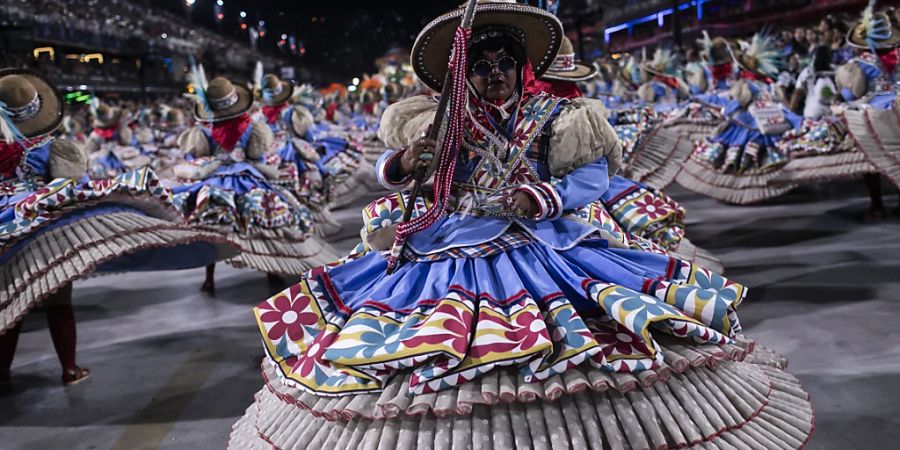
x,y
493,75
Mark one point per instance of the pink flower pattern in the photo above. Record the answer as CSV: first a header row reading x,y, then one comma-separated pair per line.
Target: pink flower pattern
x,y
288,317
652,207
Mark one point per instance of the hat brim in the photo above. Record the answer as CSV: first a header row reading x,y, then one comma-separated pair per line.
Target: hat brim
x,y
50,116
114,119
891,42
287,90
244,103
626,79
653,71
739,59
431,51
582,72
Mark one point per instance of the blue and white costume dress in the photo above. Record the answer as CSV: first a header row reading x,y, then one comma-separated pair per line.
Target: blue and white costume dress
x,y
493,321
113,149
56,226
227,186
873,115
738,164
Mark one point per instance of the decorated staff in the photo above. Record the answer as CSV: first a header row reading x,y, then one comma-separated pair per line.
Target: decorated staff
x,y
453,94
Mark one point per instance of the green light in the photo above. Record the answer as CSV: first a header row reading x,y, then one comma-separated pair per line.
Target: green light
x,y
84,98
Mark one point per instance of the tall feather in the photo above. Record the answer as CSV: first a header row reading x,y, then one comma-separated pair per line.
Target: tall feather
x,y
868,14
94,106
258,76
198,80
663,60
876,28
706,45
762,48
8,129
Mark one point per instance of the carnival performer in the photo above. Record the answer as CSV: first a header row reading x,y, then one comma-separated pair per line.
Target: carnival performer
x,y
169,122
737,164
869,85
658,142
56,228
112,146
507,322
341,167
301,169
666,88
228,186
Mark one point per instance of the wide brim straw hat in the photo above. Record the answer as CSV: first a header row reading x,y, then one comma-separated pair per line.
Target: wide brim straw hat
x,y
540,30
226,101
566,68
35,108
105,116
859,33
280,91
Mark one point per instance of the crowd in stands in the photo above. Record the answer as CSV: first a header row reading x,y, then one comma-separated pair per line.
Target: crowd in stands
x,y
125,27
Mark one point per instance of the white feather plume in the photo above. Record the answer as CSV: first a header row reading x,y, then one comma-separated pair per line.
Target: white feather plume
x,y
257,76
200,83
762,48
706,45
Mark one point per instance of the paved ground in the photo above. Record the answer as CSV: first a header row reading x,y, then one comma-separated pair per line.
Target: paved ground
x,y
173,369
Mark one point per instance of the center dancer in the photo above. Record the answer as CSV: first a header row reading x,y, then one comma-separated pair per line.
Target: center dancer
x,y
509,322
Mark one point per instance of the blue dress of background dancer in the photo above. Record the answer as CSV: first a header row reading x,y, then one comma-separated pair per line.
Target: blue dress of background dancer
x,y
37,167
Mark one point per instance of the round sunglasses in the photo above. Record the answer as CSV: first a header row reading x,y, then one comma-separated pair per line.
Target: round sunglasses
x,y
484,68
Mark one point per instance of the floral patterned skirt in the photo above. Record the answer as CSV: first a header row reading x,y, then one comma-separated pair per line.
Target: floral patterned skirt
x,y
740,150
645,212
349,328
816,137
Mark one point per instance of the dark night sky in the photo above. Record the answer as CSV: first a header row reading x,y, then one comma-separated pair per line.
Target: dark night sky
x,y
346,42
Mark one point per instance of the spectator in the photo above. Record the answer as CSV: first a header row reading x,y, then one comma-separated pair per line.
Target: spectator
x,y
801,47
787,43
840,51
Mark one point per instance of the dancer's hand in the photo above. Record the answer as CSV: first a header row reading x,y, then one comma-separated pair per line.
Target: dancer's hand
x,y
522,205
418,155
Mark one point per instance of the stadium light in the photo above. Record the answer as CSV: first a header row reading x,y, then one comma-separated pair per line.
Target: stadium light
x,y
49,50
92,57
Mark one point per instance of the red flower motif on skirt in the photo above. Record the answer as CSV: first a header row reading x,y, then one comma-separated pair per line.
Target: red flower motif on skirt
x,y
615,339
531,328
270,202
456,330
523,333
652,207
287,317
314,353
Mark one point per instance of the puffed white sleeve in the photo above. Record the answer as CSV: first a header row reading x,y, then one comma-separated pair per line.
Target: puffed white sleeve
x,y
581,134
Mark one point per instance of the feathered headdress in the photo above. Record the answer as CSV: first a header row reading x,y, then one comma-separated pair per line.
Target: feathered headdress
x,y
760,55
308,96
706,45
874,30
257,77
662,64
199,83
94,106
8,128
